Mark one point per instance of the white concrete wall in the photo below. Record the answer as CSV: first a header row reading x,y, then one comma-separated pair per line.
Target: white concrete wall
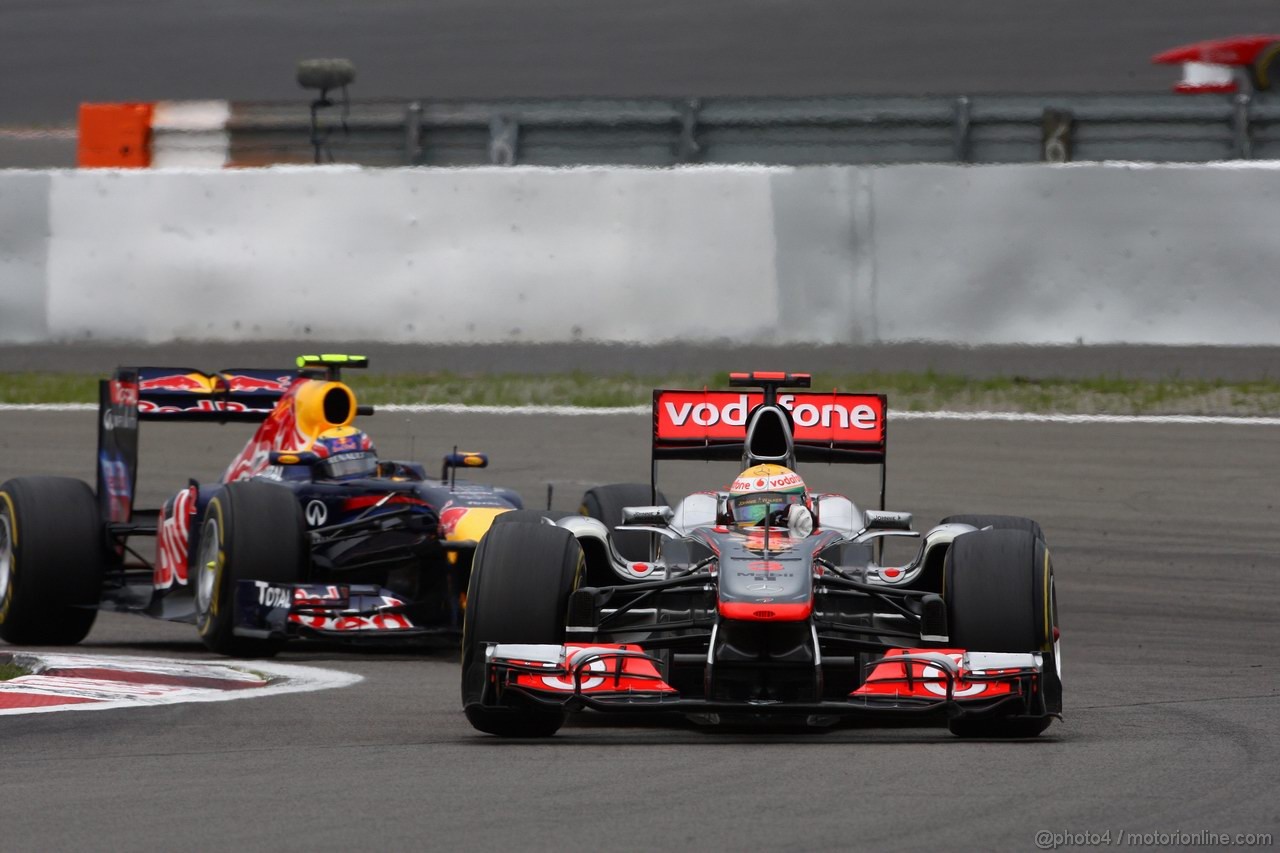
x,y
1093,253
24,248
1002,254
411,255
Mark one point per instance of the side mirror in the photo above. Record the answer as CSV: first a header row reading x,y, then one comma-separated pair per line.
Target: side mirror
x,y
655,516
292,457
394,470
464,459
881,520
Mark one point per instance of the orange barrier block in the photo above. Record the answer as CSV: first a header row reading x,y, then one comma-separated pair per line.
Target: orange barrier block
x,y
114,136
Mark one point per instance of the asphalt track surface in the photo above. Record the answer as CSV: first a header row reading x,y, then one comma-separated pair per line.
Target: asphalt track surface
x,y
1164,541
55,54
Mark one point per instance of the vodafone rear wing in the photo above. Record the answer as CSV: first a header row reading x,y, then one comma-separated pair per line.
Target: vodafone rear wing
x,y
833,426
712,425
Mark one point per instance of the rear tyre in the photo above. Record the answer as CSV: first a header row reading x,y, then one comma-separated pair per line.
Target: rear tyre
x,y
1000,598
999,522
52,559
605,503
251,531
521,580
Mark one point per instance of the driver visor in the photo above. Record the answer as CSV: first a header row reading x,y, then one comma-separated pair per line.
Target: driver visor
x,y
349,465
750,509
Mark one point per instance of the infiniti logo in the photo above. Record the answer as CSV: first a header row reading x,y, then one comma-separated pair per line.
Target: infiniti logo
x,y
317,514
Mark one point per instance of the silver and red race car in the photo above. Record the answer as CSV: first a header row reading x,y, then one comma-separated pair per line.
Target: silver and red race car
x,y
764,601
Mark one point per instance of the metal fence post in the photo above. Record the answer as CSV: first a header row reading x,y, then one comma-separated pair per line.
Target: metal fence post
x,y
1244,145
689,150
1056,126
504,136
413,133
961,111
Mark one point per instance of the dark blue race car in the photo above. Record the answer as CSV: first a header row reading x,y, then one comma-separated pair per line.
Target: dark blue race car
x,y
307,533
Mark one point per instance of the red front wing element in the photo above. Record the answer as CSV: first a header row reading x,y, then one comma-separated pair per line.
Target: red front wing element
x,y
608,676
945,674
581,668
750,611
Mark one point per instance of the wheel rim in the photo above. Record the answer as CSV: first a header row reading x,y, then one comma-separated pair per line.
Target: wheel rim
x,y
206,567
6,555
1057,634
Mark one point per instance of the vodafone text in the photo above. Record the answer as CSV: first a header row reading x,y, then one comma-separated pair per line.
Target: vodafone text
x,y
734,413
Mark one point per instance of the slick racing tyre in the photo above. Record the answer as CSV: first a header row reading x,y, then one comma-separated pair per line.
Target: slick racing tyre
x,y
251,531
1000,598
521,580
999,522
52,559
1266,68
605,503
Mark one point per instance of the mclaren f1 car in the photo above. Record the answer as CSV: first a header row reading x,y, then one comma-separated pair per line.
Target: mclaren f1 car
x,y
308,533
764,600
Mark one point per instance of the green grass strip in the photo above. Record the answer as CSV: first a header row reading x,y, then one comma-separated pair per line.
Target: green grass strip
x,y
928,391
10,670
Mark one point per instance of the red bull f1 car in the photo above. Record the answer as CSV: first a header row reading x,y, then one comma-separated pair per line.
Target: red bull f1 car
x,y
764,600
307,534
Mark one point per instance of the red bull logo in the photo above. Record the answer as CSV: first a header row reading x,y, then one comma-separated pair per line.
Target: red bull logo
x,y
449,519
173,536
240,383
150,407
278,432
192,383
342,443
200,383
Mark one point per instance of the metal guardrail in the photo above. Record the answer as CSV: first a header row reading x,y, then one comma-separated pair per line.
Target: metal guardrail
x,y
782,131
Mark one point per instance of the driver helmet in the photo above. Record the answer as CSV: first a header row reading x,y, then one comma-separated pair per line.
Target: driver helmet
x,y
765,490
345,453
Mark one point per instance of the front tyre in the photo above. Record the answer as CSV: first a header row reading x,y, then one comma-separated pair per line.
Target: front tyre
x,y
1266,68
532,516
605,503
999,522
250,531
1000,598
521,580
52,560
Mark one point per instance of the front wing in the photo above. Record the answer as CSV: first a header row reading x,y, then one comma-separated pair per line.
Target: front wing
x,y
358,613
905,682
